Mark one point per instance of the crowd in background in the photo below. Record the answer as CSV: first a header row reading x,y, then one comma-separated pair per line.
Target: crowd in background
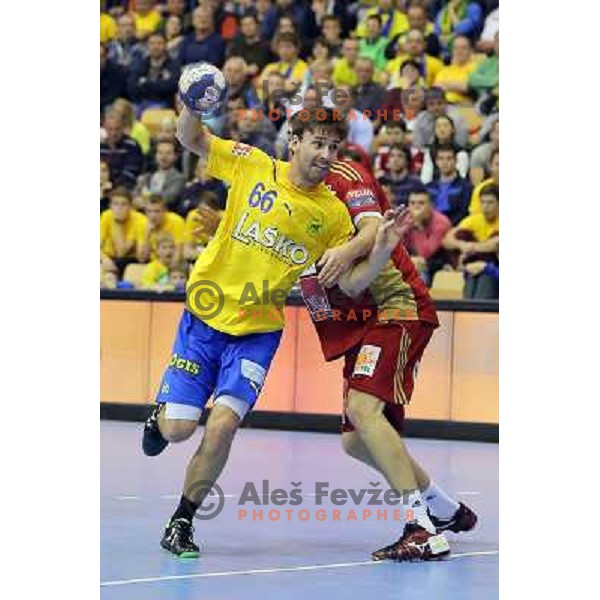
x,y
418,81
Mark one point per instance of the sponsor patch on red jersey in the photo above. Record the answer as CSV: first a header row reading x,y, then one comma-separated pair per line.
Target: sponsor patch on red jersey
x,y
362,197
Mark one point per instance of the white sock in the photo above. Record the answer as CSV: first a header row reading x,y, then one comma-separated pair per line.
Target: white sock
x,y
417,504
439,503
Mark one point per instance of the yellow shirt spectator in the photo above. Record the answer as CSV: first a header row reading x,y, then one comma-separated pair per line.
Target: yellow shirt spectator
x,y
480,227
343,73
173,224
432,67
134,229
292,72
108,28
456,74
154,274
475,205
147,24
398,26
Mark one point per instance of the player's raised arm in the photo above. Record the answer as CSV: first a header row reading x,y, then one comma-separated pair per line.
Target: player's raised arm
x,y
192,135
390,232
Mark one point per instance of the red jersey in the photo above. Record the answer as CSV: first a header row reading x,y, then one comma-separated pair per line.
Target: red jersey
x,y
397,294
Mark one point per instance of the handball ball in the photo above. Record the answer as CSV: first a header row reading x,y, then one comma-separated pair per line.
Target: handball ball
x,y
202,88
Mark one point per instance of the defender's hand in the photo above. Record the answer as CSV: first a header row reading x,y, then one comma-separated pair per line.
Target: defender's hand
x,y
335,261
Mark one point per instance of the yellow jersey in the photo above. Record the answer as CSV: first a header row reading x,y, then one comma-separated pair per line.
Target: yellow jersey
x,y
458,73
155,273
270,233
343,73
147,24
292,72
433,66
134,229
399,23
108,28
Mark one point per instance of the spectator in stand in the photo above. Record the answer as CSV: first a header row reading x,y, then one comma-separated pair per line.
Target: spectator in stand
x,y
174,36
485,80
273,104
424,240
108,27
417,19
153,81
490,29
122,231
203,44
366,94
156,273
160,220
248,131
226,22
393,21
178,8
493,179
178,275
112,80
444,134
454,79
289,64
125,48
326,9
332,32
109,278
435,106
147,18
249,45
122,153
166,181
133,128
197,188
105,186
320,51
286,25
449,191
398,177
299,14
360,128
394,133
477,238
239,85
414,49
482,154
457,18
344,72
373,44
201,224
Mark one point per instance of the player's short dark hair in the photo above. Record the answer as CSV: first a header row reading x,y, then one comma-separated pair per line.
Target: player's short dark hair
x,y
404,149
377,17
310,119
491,189
443,148
120,192
288,37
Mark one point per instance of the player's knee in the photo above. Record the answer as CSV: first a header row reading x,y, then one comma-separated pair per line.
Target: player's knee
x,y
177,430
363,409
220,427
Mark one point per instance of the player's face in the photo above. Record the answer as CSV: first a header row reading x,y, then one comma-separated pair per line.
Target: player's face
x,y
489,207
419,207
120,207
315,152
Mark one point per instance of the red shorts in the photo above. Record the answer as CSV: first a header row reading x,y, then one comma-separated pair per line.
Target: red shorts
x,y
385,365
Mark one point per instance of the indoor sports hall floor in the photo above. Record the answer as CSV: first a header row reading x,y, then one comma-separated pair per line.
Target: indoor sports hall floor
x,y
311,559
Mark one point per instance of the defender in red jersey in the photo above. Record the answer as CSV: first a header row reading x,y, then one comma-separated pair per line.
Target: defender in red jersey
x,y
382,335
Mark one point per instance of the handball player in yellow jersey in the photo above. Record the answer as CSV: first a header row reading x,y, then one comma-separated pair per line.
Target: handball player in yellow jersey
x,y
280,219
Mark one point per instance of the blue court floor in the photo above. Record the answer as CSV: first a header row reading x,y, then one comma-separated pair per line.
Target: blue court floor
x,y
288,558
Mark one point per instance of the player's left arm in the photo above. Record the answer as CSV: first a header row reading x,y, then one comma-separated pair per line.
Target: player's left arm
x,y
335,261
391,230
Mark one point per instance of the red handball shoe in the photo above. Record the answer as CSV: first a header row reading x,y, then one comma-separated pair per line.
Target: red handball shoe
x,y
464,519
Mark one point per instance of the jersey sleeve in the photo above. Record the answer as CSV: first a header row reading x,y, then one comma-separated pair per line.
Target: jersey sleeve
x,y
228,159
361,201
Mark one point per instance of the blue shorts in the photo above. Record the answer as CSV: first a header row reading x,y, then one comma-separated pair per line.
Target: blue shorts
x,y
205,360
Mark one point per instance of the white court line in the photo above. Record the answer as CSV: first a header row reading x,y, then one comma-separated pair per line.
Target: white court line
x,y
468,493
275,570
128,497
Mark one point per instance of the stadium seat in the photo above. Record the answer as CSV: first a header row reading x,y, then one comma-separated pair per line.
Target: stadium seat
x,y
447,285
133,274
152,118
